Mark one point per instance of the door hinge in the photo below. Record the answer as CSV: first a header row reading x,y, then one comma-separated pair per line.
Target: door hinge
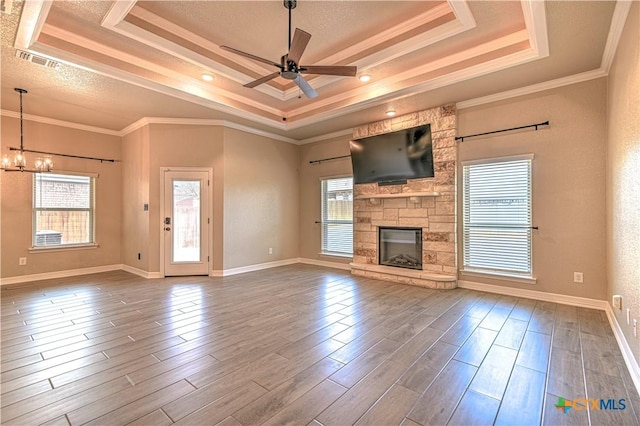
x,y
208,220
207,258
208,182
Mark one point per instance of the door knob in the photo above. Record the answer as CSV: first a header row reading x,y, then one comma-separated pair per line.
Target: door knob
x,y
167,229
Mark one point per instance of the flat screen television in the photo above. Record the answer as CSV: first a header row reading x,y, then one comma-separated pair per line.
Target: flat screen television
x,y
392,158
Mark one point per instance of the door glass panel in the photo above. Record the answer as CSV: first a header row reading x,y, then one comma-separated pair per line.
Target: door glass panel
x,y
186,221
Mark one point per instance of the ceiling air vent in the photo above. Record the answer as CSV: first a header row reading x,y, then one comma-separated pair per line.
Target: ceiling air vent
x,y
40,60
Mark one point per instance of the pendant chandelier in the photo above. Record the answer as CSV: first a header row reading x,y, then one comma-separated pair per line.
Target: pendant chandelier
x,y
19,161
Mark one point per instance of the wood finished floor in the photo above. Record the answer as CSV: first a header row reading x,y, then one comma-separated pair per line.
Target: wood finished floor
x,y
299,345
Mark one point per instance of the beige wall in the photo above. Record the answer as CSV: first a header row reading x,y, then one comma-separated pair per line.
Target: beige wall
x,y
261,199
184,146
568,180
623,177
16,198
135,193
255,193
310,191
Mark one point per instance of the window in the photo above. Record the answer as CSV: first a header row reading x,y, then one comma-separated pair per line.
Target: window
x,y
63,210
497,216
337,216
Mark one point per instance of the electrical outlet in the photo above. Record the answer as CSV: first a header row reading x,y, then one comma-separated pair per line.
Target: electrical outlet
x,y
628,316
578,277
270,250
22,261
617,301
635,327
139,256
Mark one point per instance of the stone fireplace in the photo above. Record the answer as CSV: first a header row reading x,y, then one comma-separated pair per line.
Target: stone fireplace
x,y
427,205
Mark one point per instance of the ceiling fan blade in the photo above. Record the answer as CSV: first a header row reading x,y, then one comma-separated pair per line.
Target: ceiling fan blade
x,y
305,87
347,71
262,80
249,55
298,44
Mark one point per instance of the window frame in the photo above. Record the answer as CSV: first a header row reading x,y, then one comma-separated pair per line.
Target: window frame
x,y
515,275
92,214
323,221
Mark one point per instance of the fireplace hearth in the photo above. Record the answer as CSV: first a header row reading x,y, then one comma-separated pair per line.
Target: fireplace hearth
x,y
400,247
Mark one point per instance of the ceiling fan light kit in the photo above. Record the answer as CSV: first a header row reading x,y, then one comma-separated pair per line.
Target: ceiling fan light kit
x,y
289,66
19,161
42,164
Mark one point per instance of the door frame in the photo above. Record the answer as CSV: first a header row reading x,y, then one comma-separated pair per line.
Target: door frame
x,y
208,211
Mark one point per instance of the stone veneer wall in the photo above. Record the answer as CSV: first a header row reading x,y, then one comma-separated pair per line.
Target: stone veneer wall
x,y
436,215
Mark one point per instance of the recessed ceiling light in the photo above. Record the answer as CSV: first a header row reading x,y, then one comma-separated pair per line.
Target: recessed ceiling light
x,y
207,77
391,113
364,78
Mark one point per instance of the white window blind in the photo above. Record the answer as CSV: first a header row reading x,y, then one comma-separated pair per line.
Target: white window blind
x,y
63,209
497,216
337,215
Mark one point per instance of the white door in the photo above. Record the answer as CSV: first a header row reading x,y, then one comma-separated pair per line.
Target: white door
x,y
186,222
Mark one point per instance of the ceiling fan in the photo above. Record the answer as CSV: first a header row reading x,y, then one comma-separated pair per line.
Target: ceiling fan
x,y
289,67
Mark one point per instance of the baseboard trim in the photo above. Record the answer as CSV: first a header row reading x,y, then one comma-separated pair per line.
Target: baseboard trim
x,y
627,353
59,274
140,272
252,268
623,344
326,264
537,295
152,275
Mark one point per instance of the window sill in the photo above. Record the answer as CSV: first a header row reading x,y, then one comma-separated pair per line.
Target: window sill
x,y
499,276
68,247
334,254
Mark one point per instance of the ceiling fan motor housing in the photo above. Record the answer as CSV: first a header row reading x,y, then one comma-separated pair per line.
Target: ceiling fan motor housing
x,y
289,67
289,75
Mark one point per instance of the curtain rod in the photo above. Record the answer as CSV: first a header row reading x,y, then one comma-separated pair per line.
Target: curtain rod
x,y
102,160
462,138
328,159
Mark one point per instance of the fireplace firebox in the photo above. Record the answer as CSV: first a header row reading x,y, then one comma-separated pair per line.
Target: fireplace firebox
x,y
400,247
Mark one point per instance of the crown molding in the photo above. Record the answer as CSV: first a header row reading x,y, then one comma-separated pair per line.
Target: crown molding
x,y
534,88
326,136
61,123
115,22
207,91
361,96
552,84
618,21
204,122
119,10
352,100
153,120
461,24
196,56
32,19
455,77
535,19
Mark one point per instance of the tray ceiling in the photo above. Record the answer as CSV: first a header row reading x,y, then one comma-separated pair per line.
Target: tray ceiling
x,y
125,60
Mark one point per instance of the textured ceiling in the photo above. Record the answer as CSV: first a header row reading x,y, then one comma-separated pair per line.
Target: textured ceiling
x,y
124,61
